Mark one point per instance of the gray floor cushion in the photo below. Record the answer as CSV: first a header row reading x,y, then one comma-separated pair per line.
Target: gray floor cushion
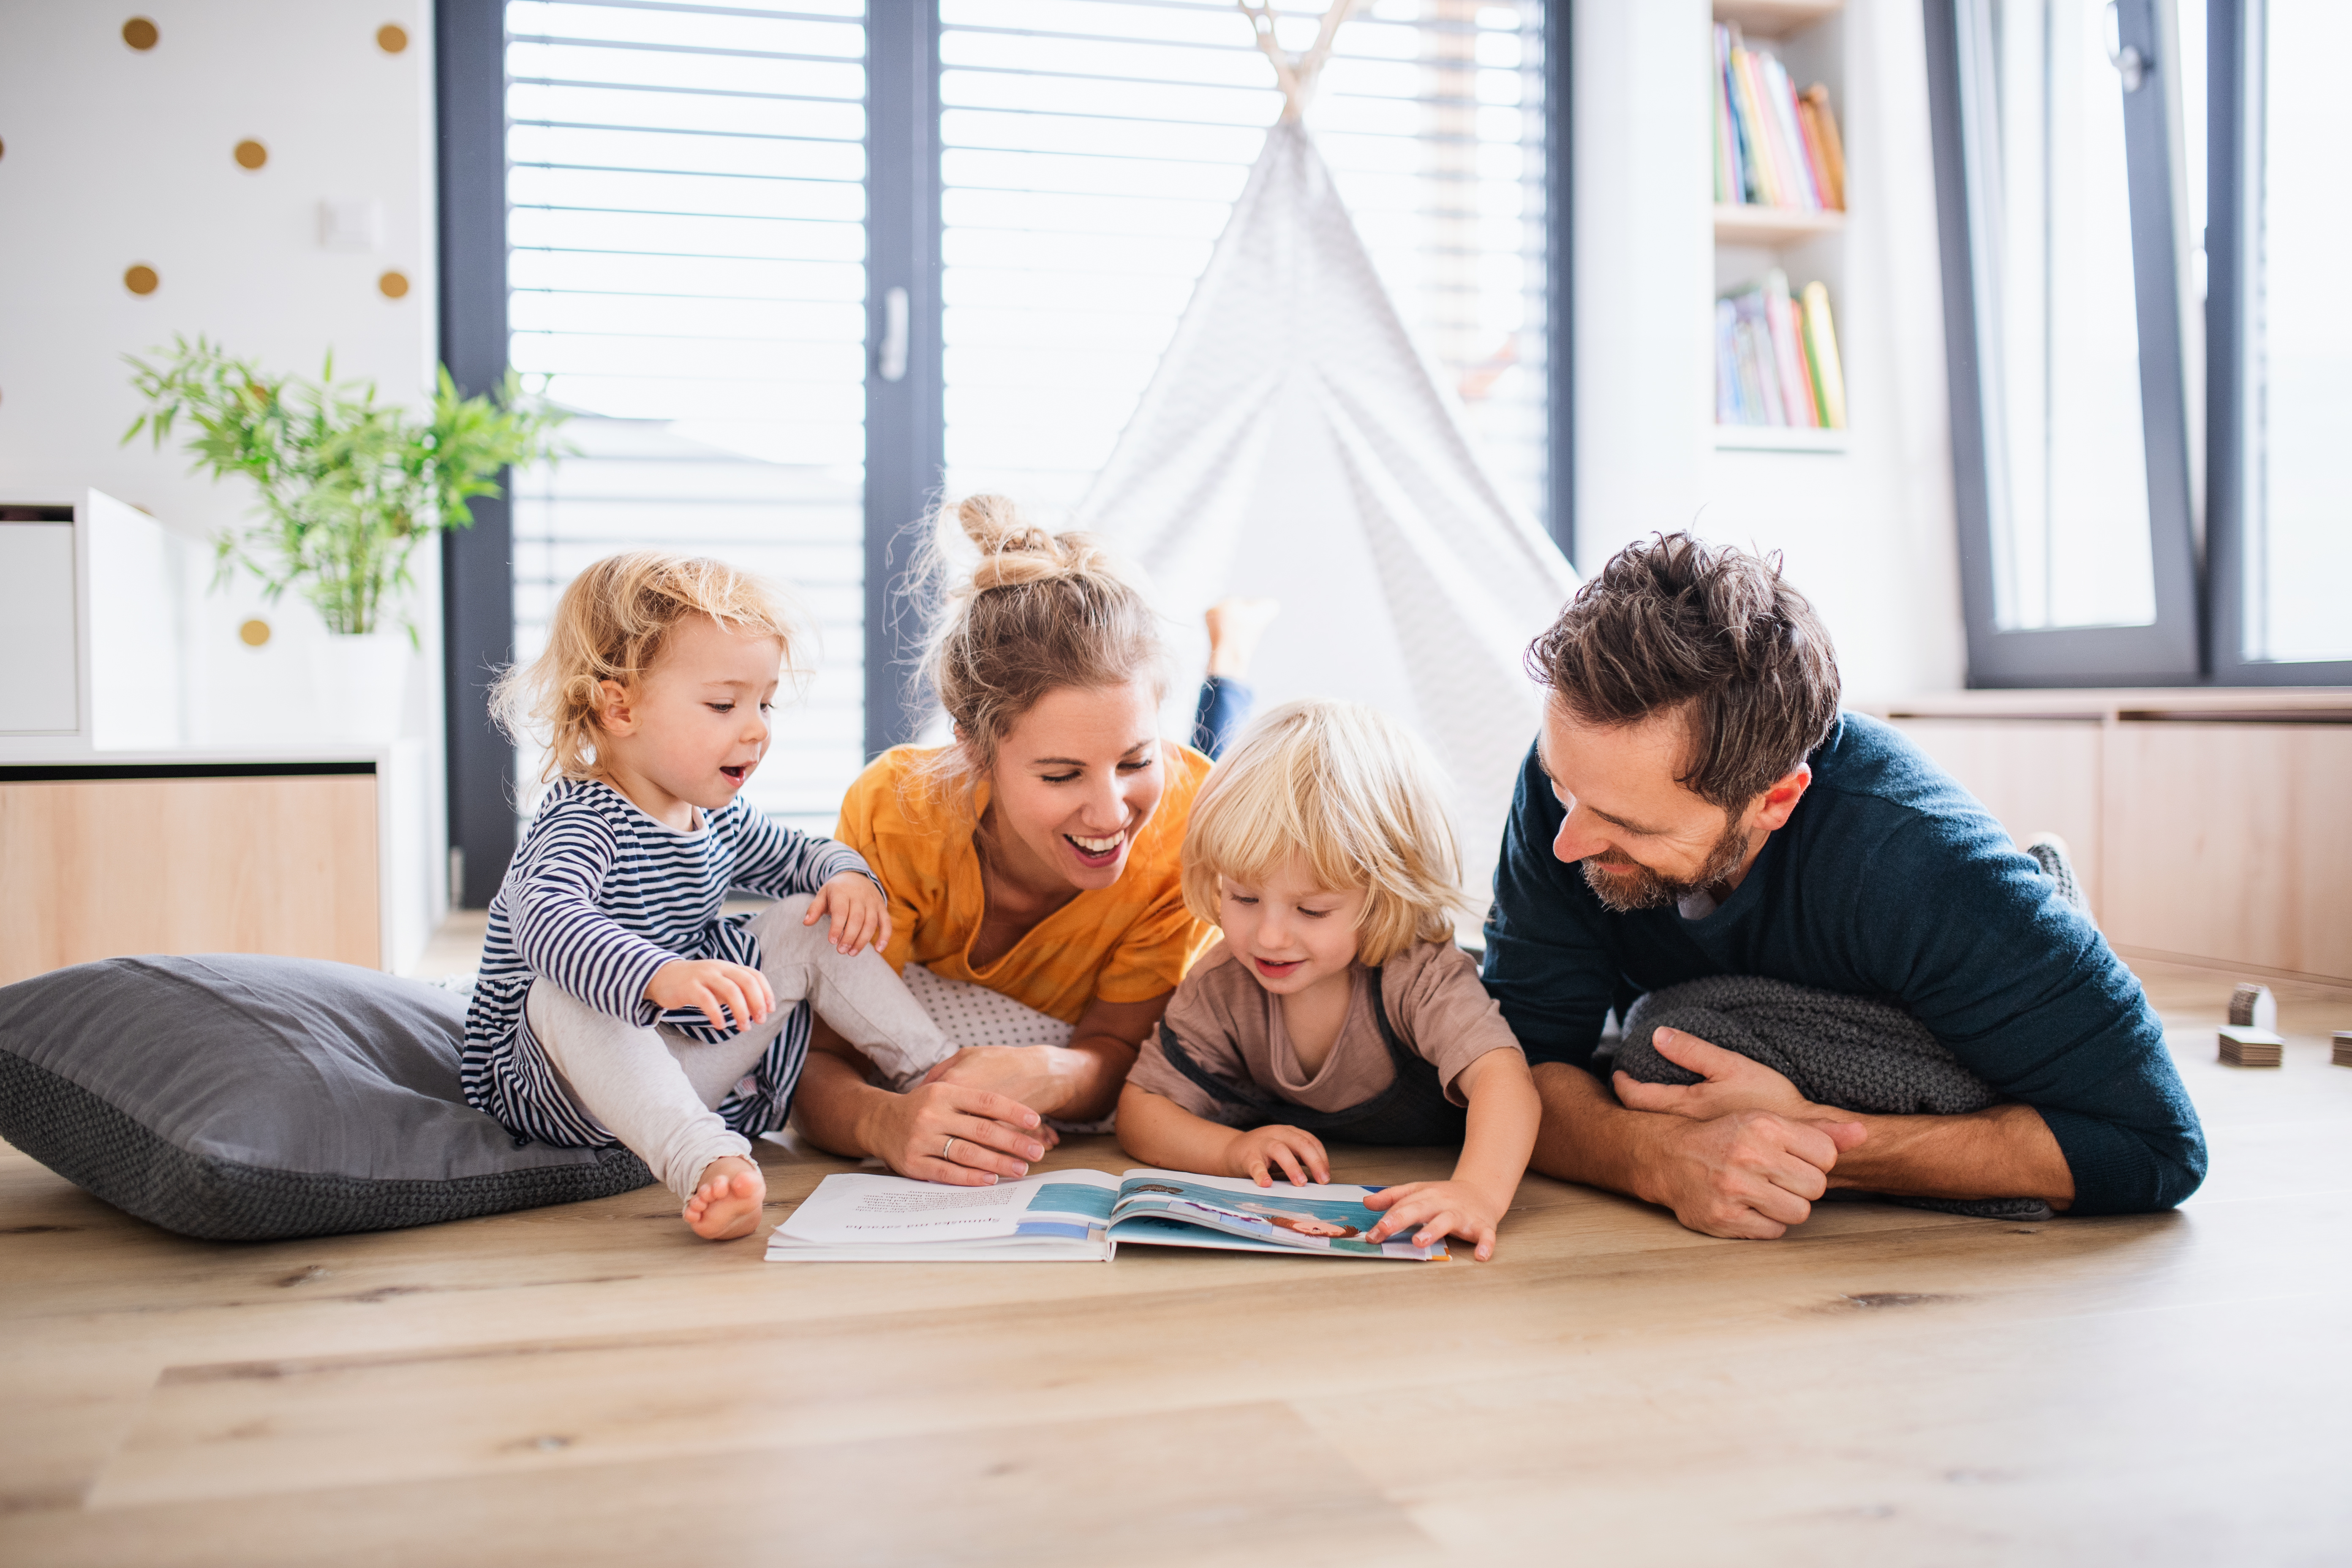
x,y
235,1097
1846,1051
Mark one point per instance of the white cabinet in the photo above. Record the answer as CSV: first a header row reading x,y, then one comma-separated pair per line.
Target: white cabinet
x,y
40,692
170,784
90,637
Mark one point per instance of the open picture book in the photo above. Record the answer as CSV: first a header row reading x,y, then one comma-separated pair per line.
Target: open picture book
x,y
1076,1216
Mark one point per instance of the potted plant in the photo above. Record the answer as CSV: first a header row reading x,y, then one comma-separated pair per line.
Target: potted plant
x,y
348,489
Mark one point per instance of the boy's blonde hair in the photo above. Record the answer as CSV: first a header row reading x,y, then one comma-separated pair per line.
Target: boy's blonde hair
x,y
1353,793
612,624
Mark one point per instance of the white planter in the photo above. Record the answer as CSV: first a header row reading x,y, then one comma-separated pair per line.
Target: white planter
x,y
362,687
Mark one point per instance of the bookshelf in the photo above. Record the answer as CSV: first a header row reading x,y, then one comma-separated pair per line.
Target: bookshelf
x,y
1777,438
1805,244
1768,228
1775,18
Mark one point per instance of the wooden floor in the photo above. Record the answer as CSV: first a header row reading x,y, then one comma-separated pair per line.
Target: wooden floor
x,y
589,1384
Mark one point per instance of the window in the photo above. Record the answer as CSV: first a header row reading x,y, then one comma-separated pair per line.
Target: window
x,y
2054,126
2206,164
1091,150
687,271
2068,464
724,232
2293,383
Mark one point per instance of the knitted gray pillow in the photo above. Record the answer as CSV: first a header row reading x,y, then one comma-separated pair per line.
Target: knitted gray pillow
x,y
1846,1051
241,1097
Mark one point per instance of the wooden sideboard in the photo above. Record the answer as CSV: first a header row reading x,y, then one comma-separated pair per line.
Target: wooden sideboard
x,y
2209,825
170,782
103,860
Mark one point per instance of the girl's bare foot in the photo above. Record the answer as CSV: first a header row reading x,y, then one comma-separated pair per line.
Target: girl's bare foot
x,y
727,1203
1234,627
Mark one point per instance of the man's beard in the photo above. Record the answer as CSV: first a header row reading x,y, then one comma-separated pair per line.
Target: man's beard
x,y
1633,886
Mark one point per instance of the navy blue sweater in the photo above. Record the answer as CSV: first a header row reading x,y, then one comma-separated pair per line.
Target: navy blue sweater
x,y
1889,881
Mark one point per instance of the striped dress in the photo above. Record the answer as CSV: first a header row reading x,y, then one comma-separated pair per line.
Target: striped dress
x,y
599,895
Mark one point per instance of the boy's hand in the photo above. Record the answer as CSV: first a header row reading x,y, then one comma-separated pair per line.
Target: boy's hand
x,y
1440,1209
717,988
1299,1153
860,914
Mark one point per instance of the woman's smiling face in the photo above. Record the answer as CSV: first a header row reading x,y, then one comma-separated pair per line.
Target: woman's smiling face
x,y
1076,777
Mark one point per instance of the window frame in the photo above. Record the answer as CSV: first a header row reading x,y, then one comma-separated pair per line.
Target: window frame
x,y
2168,651
470,44
1559,259
906,418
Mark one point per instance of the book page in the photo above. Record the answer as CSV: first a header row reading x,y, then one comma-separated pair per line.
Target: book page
x,y
867,1209
1312,1218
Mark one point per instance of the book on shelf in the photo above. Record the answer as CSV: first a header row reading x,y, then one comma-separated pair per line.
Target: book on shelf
x,y
1776,357
1774,146
1078,1216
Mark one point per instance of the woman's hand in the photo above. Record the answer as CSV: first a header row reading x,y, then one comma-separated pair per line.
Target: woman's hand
x,y
1077,1082
1440,1209
717,989
1298,1152
1044,1077
950,1132
860,914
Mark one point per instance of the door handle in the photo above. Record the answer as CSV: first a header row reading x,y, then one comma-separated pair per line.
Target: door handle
x,y
890,354
2129,63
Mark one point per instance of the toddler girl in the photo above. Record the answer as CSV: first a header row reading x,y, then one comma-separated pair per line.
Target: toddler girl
x,y
615,1004
1337,1006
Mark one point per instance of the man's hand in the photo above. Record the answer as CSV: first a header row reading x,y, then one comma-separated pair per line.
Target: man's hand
x,y
1730,1082
860,914
1751,1174
717,988
1299,1152
1744,1174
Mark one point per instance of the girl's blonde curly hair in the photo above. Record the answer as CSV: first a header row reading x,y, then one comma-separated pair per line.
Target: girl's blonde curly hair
x,y
612,624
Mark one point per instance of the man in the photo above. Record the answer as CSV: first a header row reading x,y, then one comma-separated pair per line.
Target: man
x,y
1697,805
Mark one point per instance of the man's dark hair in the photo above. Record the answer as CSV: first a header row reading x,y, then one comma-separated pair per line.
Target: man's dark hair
x,y
1673,622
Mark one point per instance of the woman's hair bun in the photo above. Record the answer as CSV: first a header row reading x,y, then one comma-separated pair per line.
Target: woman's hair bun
x,y
1014,551
995,525
1036,611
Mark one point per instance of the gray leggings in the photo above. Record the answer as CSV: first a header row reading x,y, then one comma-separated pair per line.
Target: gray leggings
x,y
656,1089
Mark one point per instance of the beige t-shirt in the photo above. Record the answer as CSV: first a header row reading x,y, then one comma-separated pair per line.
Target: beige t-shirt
x,y
1232,1026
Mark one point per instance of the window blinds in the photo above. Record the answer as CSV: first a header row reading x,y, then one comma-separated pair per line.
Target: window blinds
x,y
1091,149
687,224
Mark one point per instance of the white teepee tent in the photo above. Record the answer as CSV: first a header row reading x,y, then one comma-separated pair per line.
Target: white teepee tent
x,y
1293,443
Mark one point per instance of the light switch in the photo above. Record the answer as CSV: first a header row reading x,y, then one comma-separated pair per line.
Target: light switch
x,y
354,225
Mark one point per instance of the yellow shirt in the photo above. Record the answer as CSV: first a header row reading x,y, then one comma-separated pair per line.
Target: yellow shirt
x,y
1127,942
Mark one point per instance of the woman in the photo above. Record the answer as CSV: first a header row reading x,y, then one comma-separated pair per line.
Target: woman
x,y
1037,856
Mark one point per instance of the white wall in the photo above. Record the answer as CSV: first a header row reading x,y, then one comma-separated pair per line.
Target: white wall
x,y
1867,533
114,157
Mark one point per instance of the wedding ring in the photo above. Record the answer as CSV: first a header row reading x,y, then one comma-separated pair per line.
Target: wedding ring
x,y
946,1146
